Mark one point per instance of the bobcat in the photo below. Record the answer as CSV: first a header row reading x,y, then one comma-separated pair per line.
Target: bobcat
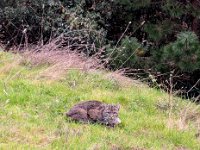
x,y
95,111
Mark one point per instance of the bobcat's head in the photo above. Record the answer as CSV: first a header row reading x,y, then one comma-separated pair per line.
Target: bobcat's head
x,y
110,114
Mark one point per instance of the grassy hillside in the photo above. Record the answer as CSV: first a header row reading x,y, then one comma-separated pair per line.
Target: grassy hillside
x,y
32,107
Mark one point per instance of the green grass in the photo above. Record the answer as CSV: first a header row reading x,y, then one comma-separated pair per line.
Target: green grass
x,y
32,113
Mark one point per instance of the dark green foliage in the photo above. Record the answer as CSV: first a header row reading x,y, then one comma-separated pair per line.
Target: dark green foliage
x,y
124,56
157,21
173,29
184,53
25,21
159,30
35,18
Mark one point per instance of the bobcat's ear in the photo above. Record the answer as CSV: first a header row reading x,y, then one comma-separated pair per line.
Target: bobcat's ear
x,y
118,106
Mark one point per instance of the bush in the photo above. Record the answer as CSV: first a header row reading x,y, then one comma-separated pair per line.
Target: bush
x,y
25,21
183,54
129,54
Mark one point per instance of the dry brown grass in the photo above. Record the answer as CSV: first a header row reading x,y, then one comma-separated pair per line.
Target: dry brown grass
x,y
122,80
59,62
58,59
191,113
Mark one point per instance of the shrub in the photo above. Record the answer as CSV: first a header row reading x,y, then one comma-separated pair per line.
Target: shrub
x,y
25,21
184,53
128,54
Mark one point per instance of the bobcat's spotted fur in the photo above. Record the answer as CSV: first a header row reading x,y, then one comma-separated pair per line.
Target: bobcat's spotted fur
x,y
95,111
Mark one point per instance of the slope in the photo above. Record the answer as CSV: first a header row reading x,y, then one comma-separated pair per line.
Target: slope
x,y
33,103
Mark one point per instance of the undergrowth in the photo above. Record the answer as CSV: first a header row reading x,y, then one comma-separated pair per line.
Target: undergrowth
x,y
32,112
